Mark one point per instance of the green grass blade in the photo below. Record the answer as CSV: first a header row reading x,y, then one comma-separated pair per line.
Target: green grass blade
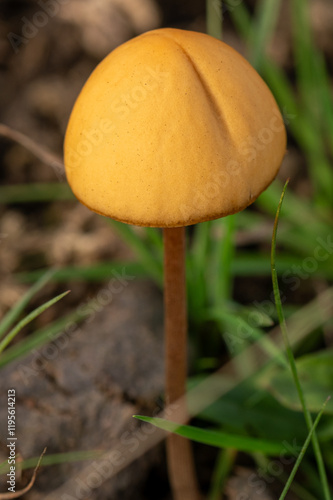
x,y
196,264
300,211
214,18
243,332
94,273
222,260
66,326
326,98
311,81
317,387
242,20
301,491
273,269
55,459
149,262
299,122
275,78
267,13
312,75
248,264
216,438
200,245
35,192
303,51
30,317
40,337
305,223
223,467
301,455
18,308
154,237
56,191
283,326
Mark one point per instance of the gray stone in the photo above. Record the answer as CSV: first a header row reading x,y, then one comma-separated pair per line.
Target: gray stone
x,y
84,397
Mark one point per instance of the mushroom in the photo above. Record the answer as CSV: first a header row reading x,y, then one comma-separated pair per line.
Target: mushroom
x,y
171,129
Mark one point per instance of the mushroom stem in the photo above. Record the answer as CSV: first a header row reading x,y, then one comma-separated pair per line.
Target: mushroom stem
x,y
179,451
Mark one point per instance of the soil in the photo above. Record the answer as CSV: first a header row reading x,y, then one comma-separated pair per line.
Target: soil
x,y
80,391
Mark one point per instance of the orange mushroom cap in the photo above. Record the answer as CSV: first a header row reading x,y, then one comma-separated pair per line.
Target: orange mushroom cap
x,y
173,128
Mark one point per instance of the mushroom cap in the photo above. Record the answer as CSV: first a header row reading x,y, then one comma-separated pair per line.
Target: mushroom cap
x,y
173,128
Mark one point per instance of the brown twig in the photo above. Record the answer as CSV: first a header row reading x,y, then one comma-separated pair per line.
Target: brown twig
x,y
17,494
40,152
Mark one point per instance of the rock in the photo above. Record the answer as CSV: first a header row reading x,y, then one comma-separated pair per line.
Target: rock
x,y
80,392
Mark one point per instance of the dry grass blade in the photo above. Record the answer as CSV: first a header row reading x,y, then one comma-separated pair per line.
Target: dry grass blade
x,y
45,156
17,494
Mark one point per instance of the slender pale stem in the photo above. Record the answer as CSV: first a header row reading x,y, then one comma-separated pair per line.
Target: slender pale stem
x,y
179,452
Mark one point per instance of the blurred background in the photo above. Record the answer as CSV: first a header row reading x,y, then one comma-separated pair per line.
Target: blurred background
x,y
80,397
